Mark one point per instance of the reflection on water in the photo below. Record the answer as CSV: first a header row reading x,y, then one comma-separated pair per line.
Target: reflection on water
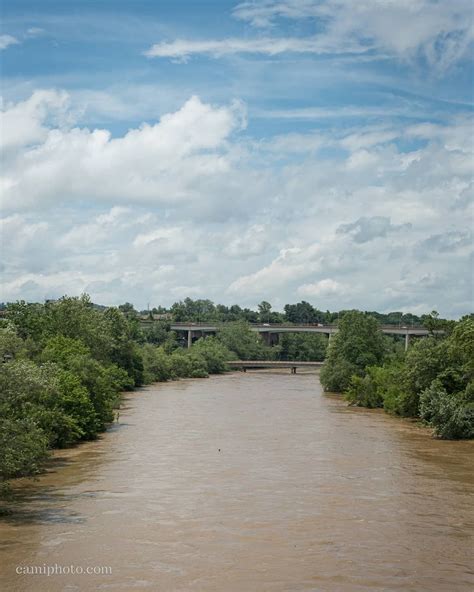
x,y
254,482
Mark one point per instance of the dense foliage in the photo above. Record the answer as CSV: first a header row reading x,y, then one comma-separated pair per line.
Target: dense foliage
x,y
358,344
303,347
433,380
64,365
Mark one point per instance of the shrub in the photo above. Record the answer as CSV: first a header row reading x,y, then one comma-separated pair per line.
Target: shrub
x,y
23,447
363,390
451,415
336,377
215,353
156,363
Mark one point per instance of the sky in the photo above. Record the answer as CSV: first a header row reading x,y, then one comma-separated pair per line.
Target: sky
x,y
285,150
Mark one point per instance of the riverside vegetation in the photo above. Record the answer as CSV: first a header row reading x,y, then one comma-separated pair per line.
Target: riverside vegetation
x,y
66,363
432,381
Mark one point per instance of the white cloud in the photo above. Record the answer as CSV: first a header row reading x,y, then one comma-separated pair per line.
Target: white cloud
x,y
26,123
441,32
291,264
184,206
7,40
169,239
324,287
271,46
167,162
438,32
367,139
251,242
317,113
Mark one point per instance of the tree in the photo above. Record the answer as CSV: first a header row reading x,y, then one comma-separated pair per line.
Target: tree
x,y
156,364
215,353
451,415
158,333
29,319
303,313
10,343
245,343
359,343
23,448
123,350
194,310
264,311
305,347
128,310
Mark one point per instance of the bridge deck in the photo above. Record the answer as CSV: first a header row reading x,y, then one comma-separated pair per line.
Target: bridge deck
x,y
254,364
273,364
286,328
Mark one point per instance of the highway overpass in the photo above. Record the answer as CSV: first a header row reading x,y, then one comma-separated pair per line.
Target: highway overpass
x,y
270,331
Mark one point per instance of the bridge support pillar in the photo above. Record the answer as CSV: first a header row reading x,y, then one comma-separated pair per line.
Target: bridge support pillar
x,y
270,339
407,340
190,338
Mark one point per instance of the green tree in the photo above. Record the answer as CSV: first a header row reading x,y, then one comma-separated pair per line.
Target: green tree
x,y
264,311
303,313
156,363
245,343
450,414
215,353
23,449
359,343
11,344
305,347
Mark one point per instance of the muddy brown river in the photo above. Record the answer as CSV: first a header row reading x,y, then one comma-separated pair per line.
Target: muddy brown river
x,y
249,482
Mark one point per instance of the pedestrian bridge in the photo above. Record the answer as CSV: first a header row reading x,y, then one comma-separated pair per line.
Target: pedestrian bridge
x,y
245,365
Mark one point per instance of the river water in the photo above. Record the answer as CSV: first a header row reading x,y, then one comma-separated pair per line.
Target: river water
x,y
249,483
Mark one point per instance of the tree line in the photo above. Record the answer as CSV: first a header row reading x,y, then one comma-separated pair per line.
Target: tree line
x,y
203,310
432,381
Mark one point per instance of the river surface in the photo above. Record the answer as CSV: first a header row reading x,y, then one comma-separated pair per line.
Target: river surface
x,y
249,482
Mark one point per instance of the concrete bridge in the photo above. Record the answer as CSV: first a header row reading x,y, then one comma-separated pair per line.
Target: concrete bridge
x,y
245,365
270,332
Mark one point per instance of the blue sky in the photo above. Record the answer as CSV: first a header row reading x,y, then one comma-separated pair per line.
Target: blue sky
x,y
280,149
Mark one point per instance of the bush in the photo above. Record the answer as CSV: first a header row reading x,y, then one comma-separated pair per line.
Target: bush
x,y
451,415
23,447
215,353
52,399
433,381
198,366
188,364
156,364
363,391
102,382
336,377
